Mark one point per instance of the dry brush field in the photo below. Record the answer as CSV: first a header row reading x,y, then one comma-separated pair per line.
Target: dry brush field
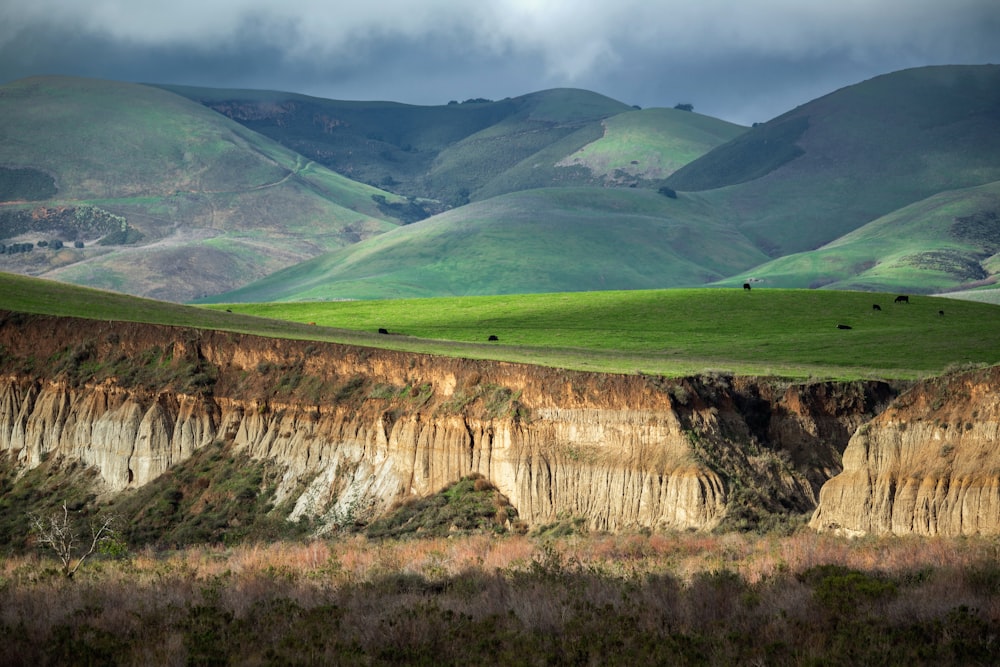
x,y
678,598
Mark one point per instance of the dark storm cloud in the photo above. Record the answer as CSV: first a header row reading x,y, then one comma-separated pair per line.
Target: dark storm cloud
x,y
742,61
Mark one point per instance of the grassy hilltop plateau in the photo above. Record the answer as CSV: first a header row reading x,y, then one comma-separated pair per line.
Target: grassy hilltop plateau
x,y
543,380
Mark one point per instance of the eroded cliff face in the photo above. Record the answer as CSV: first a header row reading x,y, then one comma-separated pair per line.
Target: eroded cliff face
x,y
356,429
929,465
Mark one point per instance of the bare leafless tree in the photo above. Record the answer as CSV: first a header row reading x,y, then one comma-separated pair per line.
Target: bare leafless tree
x,y
59,533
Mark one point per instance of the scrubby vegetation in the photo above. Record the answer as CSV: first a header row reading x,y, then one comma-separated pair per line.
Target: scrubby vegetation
x,y
600,599
221,496
471,504
25,184
206,570
408,211
156,368
216,497
73,222
41,491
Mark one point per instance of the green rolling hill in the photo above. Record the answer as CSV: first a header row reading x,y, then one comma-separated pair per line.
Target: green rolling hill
x,y
869,187
632,149
443,153
946,242
546,240
167,198
832,165
460,152
184,193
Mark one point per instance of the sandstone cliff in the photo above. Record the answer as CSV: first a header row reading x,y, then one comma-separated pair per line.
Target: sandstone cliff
x,y
356,429
929,465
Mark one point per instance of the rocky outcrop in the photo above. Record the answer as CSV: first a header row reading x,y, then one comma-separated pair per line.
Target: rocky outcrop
x,y
929,465
356,429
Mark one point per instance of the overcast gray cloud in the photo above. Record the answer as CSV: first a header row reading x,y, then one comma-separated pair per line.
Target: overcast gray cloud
x,y
743,61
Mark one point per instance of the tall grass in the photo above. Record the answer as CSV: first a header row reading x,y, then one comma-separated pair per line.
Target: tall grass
x,y
600,599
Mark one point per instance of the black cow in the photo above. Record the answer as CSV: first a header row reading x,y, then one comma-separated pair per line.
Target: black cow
x,y
902,299
875,306
940,312
746,286
843,326
492,338
383,331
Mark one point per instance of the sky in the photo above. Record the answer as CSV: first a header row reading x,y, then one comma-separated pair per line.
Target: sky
x,y
743,61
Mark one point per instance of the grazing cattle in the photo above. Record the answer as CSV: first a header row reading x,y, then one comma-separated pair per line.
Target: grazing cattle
x,y
746,286
843,326
940,312
492,338
312,324
902,299
383,331
875,306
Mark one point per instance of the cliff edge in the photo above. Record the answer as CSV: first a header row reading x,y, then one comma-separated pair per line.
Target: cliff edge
x,y
928,465
357,429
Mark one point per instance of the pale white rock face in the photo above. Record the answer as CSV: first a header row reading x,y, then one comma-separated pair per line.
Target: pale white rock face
x,y
930,465
618,468
615,450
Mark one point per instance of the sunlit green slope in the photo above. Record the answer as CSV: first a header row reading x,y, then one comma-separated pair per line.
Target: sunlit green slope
x,y
943,243
549,240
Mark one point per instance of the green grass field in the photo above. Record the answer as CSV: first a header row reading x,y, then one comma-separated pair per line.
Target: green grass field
x,y
781,332
788,333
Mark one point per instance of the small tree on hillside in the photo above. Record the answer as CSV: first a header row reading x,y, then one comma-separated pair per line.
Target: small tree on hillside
x,y
59,534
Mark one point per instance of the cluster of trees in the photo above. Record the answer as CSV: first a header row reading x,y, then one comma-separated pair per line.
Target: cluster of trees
x,y
472,100
124,236
16,248
54,244
406,212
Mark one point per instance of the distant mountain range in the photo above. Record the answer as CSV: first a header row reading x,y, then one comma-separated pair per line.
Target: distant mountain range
x,y
187,193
